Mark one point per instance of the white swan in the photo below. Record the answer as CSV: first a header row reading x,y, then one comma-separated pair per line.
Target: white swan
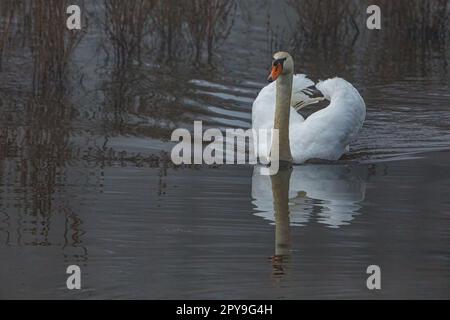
x,y
326,134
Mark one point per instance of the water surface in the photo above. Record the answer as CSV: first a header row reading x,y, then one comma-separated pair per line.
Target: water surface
x,y
85,177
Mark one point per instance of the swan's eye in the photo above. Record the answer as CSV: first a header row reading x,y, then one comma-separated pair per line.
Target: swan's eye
x,y
279,62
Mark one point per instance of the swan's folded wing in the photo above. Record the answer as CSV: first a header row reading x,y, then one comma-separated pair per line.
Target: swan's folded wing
x,y
300,83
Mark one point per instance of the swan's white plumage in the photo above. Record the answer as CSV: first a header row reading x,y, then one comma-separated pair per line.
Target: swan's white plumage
x,y
263,112
325,134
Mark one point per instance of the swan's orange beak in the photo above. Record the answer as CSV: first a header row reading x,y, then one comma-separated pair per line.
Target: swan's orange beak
x,y
276,71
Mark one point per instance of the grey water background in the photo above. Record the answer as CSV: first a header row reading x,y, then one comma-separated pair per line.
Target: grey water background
x,y
86,178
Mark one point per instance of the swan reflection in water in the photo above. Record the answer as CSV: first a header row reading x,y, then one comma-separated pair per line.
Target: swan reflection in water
x,y
327,194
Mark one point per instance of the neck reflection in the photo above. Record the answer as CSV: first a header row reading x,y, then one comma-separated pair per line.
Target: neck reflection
x,y
280,192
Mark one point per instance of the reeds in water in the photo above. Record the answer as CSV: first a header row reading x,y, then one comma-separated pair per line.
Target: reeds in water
x,y
39,27
127,23
208,22
51,43
420,20
168,28
342,21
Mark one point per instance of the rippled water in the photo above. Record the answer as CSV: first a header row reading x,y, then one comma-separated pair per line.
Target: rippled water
x,y
85,178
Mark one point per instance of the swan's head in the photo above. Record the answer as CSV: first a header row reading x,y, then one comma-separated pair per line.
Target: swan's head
x,y
282,64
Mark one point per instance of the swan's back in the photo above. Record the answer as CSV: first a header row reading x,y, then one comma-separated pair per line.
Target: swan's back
x,y
327,132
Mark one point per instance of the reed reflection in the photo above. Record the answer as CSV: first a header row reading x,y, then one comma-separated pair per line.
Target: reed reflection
x,y
37,128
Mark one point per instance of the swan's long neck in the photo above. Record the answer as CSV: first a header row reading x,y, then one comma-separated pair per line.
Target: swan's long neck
x,y
282,112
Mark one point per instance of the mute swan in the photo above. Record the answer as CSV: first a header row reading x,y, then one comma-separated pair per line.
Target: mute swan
x,y
325,134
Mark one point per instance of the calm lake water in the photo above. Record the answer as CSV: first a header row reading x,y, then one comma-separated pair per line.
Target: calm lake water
x,y
85,177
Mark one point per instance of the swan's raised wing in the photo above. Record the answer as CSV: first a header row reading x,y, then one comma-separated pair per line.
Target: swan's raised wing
x,y
349,106
326,133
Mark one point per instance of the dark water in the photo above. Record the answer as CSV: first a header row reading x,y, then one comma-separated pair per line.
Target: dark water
x,y
85,177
